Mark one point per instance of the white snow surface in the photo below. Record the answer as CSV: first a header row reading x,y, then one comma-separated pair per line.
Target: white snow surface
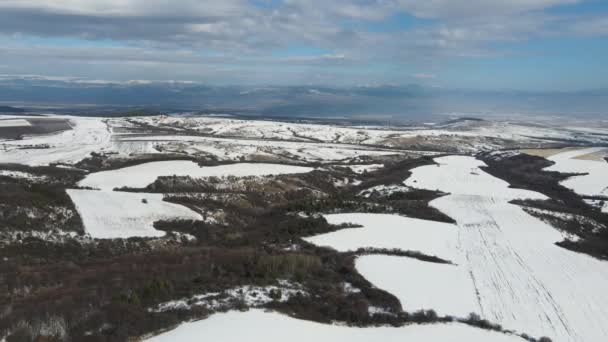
x,y
234,147
595,183
522,279
360,169
14,123
390,232
462,176
114,215
384,190
87,135
139,176
108,214
421,285
258,325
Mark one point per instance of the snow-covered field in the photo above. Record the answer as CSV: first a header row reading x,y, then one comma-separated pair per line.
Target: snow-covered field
x,y
87,135
381,136
14,123
507,267
595,183
419,285
459,175
258,325
108,214
522,280
287,131
115,215
390,232
228,139
140,176
235,148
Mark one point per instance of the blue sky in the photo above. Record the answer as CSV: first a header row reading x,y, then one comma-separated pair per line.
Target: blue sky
x,y
475,44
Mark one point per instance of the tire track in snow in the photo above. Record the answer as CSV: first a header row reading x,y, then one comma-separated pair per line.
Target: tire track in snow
x,y
523,280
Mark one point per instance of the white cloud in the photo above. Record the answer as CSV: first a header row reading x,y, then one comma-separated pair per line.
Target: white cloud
x,y
597,26
207,8
424,76
226,35
475,8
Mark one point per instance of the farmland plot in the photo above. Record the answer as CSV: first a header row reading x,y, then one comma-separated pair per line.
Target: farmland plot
x,y
113,214
70,146
594,182
140,176
522,279
420,285
391,232
108,214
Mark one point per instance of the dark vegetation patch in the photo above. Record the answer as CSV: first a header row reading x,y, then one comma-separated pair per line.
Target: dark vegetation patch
x,y
38,126
38,205
97,162
401,253
526,172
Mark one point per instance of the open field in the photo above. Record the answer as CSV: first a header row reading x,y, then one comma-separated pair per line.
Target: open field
x,y
141,175
116,215
522,279
391,232
593,180
420,285
14,123
16,128
239,326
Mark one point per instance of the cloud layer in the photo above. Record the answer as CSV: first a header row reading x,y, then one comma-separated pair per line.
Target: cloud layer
x,y
296,41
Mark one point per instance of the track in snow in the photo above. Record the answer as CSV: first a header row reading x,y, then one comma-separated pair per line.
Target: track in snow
x,y
525,282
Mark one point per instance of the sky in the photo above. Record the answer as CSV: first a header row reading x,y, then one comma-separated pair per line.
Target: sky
x,y
528,45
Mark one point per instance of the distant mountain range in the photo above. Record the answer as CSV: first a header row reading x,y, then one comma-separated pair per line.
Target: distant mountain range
x,y
8,109
390,102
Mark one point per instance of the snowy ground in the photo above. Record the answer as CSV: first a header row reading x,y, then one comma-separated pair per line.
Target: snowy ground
x,y
383,190
14,123
140,176
595,183
390,232
507,267
87,135
522,280
508,130
228,139
108,214
235,148
115,215
421,285
258,325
